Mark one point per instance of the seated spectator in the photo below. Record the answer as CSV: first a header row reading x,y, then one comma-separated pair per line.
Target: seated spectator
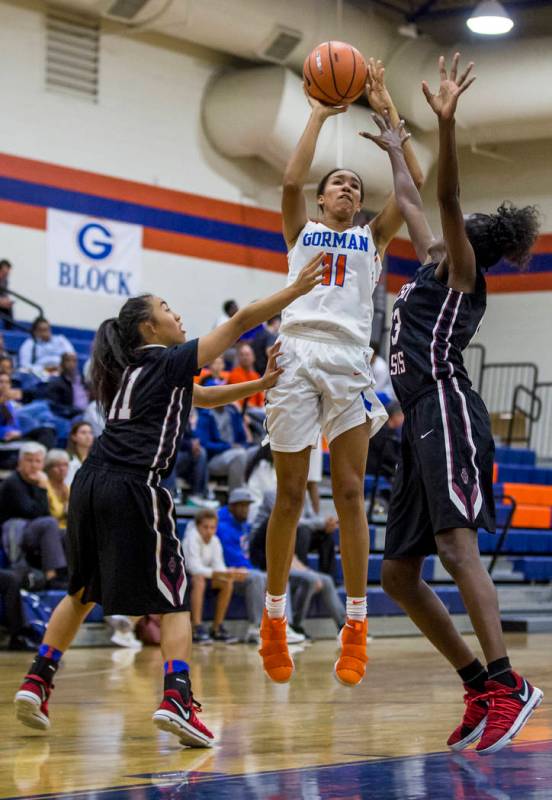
x,y
222,433
66,392
79,445
263,341
3,352
42,351
21,636
56,468
244,372
10,429
380,368
234,533
28,528
229,308
94,417
214,374
205,564
305,582
6,366
6,303
191,465
314,531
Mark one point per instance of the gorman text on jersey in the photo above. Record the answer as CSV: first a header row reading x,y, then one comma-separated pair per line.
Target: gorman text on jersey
x,y
346,241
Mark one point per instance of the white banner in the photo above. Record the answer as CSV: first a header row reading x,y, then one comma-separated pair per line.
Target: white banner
x,y
93,256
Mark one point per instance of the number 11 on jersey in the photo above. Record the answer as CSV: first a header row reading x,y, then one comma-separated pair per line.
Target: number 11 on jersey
x,y
335,269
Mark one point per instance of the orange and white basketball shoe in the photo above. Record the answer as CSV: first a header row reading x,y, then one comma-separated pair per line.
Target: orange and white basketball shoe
x,y
277,662
350,667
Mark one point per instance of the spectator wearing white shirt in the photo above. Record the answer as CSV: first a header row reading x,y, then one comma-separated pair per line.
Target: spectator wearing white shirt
x,y
205,563
43,350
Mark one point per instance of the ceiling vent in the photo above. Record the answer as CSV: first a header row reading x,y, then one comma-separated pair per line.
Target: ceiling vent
x,y
72,53
126,9
280,45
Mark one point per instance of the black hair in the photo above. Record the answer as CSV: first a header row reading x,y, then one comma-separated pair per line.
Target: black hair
x,y
264,453
5,263
508,234
115,347
228,305
320,189
36,322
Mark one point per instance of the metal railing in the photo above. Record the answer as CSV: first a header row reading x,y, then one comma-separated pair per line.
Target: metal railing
x,y
12,323
541,431
511,505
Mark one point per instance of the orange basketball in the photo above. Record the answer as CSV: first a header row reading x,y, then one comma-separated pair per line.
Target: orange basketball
x,y
335,73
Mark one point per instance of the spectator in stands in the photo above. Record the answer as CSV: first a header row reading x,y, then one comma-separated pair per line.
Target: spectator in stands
x,y
305,582
380,368
66,392
229,308
215,374
43,350
264,339
6,366
205,563
244,372
28,528
222,433
94,417
79,444
10,429
314,531
385,446
3,352
6,303
234,533
57,468
21,637
191,465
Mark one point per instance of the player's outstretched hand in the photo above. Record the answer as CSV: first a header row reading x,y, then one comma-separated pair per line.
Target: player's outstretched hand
x,y
272,371
377,92
310,276
321,109
445,101
389,138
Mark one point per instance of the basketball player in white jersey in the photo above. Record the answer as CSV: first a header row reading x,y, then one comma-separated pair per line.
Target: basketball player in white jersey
x,y
327,383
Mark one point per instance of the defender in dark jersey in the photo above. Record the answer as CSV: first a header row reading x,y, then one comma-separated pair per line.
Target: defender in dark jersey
x,y
443,490
123,548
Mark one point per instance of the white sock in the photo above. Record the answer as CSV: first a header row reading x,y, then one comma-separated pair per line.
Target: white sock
x,y
275,605
356,608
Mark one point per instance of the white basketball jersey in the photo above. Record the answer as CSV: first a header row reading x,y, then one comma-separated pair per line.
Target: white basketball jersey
x,y
342,306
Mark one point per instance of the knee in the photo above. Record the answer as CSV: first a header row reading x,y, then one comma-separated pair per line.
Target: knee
x,y
349,491
453,558
290,499
395,580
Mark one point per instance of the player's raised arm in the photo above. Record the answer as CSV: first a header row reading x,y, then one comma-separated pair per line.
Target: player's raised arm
x,y
223,337
393,139
388,222
294,205
213,396
460,254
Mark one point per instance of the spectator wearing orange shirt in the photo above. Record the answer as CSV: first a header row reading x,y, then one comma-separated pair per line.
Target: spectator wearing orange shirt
x,y
244,372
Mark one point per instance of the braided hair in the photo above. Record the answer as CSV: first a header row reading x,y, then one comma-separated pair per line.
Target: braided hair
x,y
507,234
115,347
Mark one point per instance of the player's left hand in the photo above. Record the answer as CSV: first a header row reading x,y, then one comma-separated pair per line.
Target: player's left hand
x,y
272,371
445,101
389,137
377,93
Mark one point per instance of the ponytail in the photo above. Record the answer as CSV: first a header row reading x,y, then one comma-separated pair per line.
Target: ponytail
x,y
115,345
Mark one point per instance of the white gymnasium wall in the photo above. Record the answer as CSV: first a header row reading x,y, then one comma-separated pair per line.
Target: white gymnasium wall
x,y
145,127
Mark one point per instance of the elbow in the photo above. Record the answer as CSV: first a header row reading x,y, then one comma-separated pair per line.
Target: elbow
x,y
419,181
291,185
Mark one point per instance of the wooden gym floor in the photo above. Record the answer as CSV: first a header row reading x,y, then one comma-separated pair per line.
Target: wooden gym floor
x,y
310,739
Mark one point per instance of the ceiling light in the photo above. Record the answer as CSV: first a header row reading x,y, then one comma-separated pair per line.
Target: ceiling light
x,y
490,18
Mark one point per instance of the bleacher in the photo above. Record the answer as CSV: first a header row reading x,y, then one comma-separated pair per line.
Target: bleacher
x,y
523,562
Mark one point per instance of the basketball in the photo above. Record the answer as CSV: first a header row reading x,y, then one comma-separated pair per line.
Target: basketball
x,y
335,73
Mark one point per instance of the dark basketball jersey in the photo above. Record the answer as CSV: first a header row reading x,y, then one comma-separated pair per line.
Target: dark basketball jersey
x,y
150,410
431,326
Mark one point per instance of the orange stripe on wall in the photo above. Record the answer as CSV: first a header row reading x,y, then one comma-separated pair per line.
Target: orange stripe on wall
x,y
402,248
182,244
133,192
524,282
19,214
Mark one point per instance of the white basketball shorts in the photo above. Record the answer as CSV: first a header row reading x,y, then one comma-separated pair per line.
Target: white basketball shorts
x,y
325,387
